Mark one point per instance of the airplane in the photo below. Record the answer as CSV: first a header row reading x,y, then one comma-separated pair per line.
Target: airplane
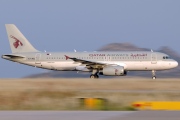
x,y
99,63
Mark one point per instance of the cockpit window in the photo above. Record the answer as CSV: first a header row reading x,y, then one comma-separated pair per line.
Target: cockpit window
x,y
166,57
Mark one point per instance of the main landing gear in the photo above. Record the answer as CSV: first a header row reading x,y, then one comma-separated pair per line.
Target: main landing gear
x,y
94,74
153,74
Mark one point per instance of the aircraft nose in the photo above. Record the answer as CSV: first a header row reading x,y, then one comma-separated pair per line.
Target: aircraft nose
x,y
174,63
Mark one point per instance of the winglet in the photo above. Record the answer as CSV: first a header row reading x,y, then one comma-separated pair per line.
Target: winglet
x,y
67,57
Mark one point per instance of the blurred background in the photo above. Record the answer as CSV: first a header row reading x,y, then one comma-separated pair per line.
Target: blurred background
x,y
65,25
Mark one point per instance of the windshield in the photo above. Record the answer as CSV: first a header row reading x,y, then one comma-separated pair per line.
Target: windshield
x,y
166,57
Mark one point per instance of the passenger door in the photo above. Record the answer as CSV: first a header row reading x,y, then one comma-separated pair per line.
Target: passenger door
x,y
153,58
38,58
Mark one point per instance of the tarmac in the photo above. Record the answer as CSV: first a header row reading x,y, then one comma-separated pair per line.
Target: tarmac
x,y
90,115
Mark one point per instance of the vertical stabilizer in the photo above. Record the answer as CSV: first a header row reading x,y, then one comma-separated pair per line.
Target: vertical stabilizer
x,y
18,42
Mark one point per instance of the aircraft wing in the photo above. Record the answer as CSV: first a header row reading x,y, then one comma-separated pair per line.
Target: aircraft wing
x,y
89,63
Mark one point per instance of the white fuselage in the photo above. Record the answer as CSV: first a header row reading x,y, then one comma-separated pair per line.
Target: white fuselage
x,y
131,61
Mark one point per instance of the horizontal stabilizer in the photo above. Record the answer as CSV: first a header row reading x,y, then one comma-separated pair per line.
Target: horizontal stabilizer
x,y
12,56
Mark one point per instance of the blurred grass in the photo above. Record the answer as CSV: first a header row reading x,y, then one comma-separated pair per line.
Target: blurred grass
x,y
64,94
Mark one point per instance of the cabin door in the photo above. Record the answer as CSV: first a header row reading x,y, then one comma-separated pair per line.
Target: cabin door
x,y
153,58
38,58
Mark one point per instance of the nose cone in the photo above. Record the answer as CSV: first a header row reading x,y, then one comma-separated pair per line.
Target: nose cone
x,y
174,64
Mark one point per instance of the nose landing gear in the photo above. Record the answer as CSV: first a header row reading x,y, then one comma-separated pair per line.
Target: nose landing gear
x,y
153,74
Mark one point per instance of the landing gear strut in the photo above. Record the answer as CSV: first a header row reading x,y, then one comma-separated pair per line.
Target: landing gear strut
x,y
94,74
153,74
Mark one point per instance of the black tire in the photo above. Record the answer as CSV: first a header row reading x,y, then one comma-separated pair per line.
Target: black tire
x,y
96,76
92,76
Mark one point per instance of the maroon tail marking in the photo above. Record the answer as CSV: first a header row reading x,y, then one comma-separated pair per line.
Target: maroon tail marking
x,y
17,42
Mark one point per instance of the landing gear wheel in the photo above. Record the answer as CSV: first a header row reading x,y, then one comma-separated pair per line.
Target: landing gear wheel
x,y
94,76
154,77
153,74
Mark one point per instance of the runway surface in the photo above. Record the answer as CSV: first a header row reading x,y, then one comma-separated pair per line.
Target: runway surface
x,y
90,115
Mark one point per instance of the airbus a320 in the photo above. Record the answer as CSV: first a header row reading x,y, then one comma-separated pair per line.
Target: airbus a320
x,y
99,63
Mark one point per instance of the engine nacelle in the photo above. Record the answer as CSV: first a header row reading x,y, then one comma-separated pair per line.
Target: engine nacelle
x,y
113,71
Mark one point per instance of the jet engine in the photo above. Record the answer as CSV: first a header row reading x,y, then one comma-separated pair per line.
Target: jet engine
x,y
113,71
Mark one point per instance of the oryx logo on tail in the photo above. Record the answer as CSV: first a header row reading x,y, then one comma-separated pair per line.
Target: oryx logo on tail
x,y
17,42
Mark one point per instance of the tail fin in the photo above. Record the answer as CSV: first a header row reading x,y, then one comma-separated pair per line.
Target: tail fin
x,y
18,42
